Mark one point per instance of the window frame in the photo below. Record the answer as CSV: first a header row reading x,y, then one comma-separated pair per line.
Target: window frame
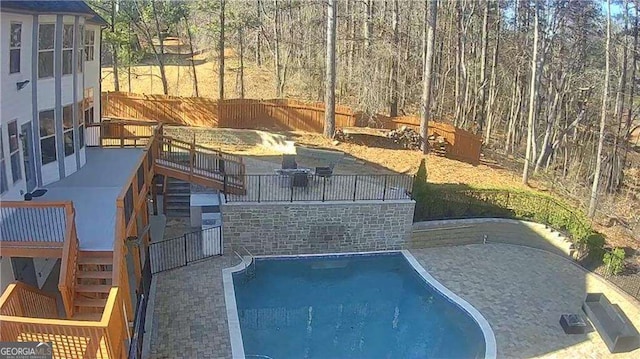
x,y
51,50
46,137
81,126
66,130
4,184
13,48
89,44
68,50
14,153
88,105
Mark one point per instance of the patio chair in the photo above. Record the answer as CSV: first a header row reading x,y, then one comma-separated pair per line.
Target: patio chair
x,y
289,162
300,180
324,172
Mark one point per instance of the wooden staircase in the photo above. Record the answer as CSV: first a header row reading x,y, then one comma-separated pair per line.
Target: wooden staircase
x,y
200,165
94,281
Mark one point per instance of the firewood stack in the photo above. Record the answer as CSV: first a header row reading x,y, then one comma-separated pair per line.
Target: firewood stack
x,y
406,137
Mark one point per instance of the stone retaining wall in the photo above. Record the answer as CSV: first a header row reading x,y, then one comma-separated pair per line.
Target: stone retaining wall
x,y
497,230
317,227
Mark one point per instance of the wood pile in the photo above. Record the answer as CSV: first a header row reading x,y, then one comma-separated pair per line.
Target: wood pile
x,y
406,138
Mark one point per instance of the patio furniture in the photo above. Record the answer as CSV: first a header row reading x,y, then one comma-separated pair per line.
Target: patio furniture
x,y
300,180
613,325
288,177
573,324
289,162
324,172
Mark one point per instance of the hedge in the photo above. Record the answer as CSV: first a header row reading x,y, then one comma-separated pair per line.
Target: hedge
x,y
451,201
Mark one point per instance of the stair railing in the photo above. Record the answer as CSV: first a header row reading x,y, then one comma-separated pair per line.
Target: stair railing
x,y
69,265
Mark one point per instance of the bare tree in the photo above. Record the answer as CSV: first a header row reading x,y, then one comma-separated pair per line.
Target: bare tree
x,y
221,53
603,119
533,95
193,63
330,81
431,7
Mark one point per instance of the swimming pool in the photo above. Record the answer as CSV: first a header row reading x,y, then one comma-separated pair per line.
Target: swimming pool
x,y
372,305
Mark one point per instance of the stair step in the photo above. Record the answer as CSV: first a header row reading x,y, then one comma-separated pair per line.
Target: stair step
x,y
93,288
87,316
95,274
90,302
95,260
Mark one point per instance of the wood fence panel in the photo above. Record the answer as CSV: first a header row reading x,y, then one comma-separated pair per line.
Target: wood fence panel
x,y
281,114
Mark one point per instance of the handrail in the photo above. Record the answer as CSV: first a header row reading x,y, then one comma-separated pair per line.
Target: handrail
x,y
69,265
90,339
16,302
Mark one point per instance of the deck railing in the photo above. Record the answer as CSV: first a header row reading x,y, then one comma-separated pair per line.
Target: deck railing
x,y
103,339
201,161
26,222
120,133
22,300
69,264
302,187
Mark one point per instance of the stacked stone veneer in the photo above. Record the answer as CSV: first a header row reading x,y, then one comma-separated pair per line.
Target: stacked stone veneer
x,y
317,227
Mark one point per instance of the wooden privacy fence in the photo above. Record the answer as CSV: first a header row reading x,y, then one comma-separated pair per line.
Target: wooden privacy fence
x,y
281,114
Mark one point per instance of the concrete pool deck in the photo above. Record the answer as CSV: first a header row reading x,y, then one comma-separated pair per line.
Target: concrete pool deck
x,y
521,291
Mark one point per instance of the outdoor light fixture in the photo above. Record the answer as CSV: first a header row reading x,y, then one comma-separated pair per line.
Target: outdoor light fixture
x,y
20,85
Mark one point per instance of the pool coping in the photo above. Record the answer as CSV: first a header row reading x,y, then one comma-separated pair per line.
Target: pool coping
x,y
235,333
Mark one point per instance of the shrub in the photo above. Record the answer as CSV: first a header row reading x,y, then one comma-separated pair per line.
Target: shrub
x,y
595,245
450,201
614,261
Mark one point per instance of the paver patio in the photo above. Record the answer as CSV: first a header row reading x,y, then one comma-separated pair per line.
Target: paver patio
x,y
521,292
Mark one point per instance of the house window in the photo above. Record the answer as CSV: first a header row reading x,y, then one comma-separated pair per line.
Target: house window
x,y
89,42
81,52
67,49
80,126
88,105
14,48
46,39
4,186
67,135
47,136
14,151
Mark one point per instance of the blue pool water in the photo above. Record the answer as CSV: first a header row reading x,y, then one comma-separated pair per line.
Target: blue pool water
x,y
363,306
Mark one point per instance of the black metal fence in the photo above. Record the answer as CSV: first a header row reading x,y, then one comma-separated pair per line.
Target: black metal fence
x,y
142,294
180,251
307,187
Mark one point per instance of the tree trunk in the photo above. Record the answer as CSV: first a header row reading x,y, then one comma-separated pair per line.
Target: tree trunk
x,y
483,68
160,57
533,95
367,29
395,59
603,119
258,38
330,81
193,64
427,79
493,90
631,88
240,82
114,50
221,53
276,52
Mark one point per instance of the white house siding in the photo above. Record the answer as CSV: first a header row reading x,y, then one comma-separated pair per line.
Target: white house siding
x,y
14,104
92,72
19,105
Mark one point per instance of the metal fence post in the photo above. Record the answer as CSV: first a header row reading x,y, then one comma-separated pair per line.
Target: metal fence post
x,y
186,259
384,189
291,186
224,185
324,185
259,187
355,186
